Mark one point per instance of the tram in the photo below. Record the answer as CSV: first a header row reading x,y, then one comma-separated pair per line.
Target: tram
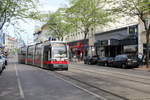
x,y
49,55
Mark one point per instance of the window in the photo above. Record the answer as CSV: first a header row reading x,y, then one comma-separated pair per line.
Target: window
x,y
59,50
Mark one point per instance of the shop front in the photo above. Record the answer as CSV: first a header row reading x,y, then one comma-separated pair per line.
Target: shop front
x,y
115,42
130,45
78,49
108,48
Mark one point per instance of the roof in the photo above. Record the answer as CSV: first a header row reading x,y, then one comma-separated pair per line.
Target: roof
x,y
114,30
12,38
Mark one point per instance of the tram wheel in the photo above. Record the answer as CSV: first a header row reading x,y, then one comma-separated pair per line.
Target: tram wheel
x,y
52,69
65,68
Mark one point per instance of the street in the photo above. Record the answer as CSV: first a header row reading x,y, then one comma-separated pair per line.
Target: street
x,y
80,82
74,49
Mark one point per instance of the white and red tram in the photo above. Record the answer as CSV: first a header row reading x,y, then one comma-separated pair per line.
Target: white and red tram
x,y
49,55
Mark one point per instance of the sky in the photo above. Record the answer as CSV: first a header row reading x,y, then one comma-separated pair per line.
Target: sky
x,y
52,5
30,25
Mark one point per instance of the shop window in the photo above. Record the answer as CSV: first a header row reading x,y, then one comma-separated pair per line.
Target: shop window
x,y
132,30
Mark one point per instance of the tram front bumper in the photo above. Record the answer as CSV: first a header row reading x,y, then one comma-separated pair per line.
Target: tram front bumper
x,y
58,66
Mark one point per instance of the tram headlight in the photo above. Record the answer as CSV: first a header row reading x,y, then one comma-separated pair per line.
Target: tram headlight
x,y
66,59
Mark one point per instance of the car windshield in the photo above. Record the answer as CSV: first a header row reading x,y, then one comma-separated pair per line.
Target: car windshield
x,y
4,56
132,56
110,58
105,58
95,56
121,57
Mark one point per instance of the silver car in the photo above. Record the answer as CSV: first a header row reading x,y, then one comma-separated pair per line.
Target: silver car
x,y
5,59
2,63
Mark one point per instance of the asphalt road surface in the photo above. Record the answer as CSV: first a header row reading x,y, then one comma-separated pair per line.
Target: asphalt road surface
x,y
24,82
80,82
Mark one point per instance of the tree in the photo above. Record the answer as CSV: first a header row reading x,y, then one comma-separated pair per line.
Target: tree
x,y
57,25
16,9
86,14
139,8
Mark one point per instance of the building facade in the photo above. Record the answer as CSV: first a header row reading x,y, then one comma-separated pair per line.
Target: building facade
x,y
118,41
2,41
2,37
11,43
113,36
124,36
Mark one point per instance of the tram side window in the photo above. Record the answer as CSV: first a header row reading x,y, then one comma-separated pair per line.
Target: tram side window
x,y
19,52
30,52
22,51
38,53
49,55
35,52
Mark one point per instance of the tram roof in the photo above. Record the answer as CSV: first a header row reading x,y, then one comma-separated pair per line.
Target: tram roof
x,y
48,42
44,43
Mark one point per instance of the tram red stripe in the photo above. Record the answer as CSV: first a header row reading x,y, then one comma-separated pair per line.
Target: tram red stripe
x,y
37,61
29,60
55,62
22,59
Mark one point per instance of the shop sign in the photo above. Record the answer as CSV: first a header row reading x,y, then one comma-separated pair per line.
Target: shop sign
x,y
130,48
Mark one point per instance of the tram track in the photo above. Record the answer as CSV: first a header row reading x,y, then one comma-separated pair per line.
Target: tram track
x,y
118,75
103,89
89,84
107,93
124,86
95,87
113,71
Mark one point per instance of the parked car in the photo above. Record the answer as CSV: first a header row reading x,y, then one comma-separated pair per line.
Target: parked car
x,y
110,60
102,61
5,59
105,61
2,64
125,61
91,60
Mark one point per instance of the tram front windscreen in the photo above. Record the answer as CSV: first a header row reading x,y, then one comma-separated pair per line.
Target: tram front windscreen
x,y
59,50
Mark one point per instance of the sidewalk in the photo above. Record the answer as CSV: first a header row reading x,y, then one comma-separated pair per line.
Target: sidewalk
x,y
143,67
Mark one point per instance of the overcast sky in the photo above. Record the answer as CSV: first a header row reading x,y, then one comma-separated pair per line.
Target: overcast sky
x,y
52,5
29,26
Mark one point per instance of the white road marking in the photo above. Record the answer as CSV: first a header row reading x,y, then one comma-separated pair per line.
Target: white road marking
x,y
19,83
69,82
